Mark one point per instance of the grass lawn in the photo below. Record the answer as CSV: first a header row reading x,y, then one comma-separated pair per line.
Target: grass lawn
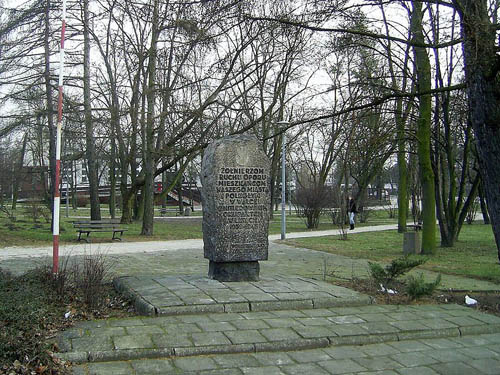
x,y
25,232
474,255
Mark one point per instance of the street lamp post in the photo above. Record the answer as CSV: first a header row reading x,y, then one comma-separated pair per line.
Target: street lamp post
x,y
283,125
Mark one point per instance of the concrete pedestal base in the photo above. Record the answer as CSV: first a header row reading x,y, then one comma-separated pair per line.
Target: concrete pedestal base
x,y
234,271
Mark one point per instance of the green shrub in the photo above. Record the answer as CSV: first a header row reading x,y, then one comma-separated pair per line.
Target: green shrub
x,y
398,267
416,287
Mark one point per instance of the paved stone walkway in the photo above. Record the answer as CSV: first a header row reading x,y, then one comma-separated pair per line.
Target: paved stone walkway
x,y
288,325
420,339
476,355
185,257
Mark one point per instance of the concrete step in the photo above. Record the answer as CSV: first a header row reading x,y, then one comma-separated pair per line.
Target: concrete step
x,y
173,295
194,335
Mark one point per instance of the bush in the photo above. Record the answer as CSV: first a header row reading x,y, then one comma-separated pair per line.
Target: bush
x,y
311,200
416,287
90,275
398,267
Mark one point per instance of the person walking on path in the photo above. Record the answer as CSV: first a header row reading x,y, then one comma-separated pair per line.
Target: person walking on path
x,y
352,211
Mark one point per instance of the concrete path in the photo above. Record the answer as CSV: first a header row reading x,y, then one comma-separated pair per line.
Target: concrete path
x,y
185,257
294,323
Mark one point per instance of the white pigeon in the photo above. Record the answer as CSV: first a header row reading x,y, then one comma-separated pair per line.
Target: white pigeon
x,y
470,301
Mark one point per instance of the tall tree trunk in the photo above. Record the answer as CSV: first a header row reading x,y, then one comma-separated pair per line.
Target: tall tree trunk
x,y
482,66
423,69
95,208
149,158
112,177
482,203
19,168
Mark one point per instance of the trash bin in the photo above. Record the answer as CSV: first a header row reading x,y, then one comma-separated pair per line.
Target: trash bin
x,y
187,211
412,244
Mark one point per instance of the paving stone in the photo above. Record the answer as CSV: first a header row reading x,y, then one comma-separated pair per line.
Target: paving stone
x,y
437,323
310,356
289,314
181,328
107,331
133,342
216,326
85,344
405,325
478,352
464,321
444,343
143,330
200,319
266,370
379,350
278,334
447,355
226,317
283,322
345,352
341,366
198,364
210,338
378,363
317,312
375,317
346,319
172,340
455,368
220,371
314,331
320,321
236,307
414,359
260,297
348,330
110,368
410,346
245,336
303,368
404,315
486,366
417,371
152,366
467,341
379,327
249,324
236,360
258,315
273,358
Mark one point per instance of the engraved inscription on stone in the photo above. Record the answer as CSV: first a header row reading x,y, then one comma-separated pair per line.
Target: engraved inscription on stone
x,y
236,200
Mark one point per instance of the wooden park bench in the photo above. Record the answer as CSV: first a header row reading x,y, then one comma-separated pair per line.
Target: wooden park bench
x,y
89,226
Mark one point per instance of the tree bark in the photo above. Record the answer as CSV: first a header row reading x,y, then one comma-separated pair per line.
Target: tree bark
x,y
149,158
423,69
482,65
19,168
95,208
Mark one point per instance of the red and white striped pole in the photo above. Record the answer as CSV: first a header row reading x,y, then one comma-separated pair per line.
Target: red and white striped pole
x,y
57,192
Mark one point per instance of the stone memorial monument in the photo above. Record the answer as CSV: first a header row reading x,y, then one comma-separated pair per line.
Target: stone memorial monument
x,y
236,201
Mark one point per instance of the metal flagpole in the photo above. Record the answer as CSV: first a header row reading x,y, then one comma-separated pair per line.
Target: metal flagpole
x,y
57,193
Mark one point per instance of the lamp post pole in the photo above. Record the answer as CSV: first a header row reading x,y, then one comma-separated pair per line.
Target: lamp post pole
x,y
283,124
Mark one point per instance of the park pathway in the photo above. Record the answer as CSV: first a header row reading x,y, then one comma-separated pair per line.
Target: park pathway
x,y
291,323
